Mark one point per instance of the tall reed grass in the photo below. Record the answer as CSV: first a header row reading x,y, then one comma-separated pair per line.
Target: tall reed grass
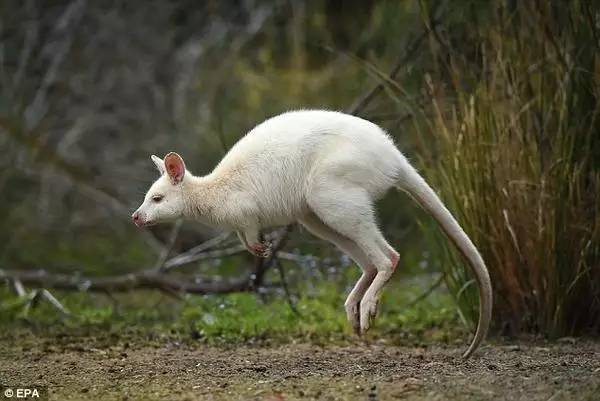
x,y
513,120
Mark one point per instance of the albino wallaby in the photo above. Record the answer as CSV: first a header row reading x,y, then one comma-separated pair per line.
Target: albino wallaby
x,y
323,169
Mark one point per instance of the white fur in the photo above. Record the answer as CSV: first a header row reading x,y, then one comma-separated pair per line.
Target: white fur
x,y
323,169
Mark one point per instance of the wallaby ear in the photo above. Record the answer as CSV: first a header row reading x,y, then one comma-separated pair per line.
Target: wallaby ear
x,y
175,167
160,165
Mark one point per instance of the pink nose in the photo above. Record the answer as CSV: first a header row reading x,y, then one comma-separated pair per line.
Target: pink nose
x,y
136,217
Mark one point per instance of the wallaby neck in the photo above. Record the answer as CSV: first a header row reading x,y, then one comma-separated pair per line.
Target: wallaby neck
x,y
202,196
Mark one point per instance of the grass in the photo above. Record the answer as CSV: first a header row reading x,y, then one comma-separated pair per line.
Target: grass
x,y
241,318
516,156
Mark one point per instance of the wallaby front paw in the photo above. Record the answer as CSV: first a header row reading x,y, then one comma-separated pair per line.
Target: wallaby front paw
x,y
262,249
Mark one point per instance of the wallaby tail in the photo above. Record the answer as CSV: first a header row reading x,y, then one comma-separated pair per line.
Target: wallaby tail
x,y
412,183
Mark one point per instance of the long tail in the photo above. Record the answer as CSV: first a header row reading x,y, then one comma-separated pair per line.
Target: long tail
x,y
411,182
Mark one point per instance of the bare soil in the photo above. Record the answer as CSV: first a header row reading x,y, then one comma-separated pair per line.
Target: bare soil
x,y
86,368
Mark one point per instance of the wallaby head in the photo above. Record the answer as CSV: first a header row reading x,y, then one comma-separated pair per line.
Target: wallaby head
x,y
165,200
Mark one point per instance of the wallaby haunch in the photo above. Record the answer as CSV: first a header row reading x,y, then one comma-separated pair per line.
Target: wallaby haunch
x,y
323,169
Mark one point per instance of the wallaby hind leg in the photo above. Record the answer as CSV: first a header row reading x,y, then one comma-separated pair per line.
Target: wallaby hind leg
x,y
321,230
349,211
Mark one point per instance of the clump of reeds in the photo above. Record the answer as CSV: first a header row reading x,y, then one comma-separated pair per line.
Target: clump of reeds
x,y
517,158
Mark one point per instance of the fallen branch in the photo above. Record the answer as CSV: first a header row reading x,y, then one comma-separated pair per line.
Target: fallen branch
x,y
146,279
53,301
29,300
154,279
200,252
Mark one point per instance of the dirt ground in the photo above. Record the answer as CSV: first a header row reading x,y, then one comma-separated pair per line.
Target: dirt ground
x,y
89,369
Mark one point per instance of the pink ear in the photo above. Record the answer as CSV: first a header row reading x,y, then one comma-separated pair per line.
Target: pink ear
x,y
175,167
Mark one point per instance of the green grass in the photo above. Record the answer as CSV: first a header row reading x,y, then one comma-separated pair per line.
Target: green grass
x,y
242,317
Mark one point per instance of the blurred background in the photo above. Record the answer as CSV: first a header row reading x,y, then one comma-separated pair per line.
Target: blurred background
x,y
495,102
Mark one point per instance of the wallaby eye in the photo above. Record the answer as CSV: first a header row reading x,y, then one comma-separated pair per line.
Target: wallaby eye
x,y
157,198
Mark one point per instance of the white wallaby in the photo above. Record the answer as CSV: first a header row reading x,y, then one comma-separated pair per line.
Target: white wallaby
x,y
323,169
